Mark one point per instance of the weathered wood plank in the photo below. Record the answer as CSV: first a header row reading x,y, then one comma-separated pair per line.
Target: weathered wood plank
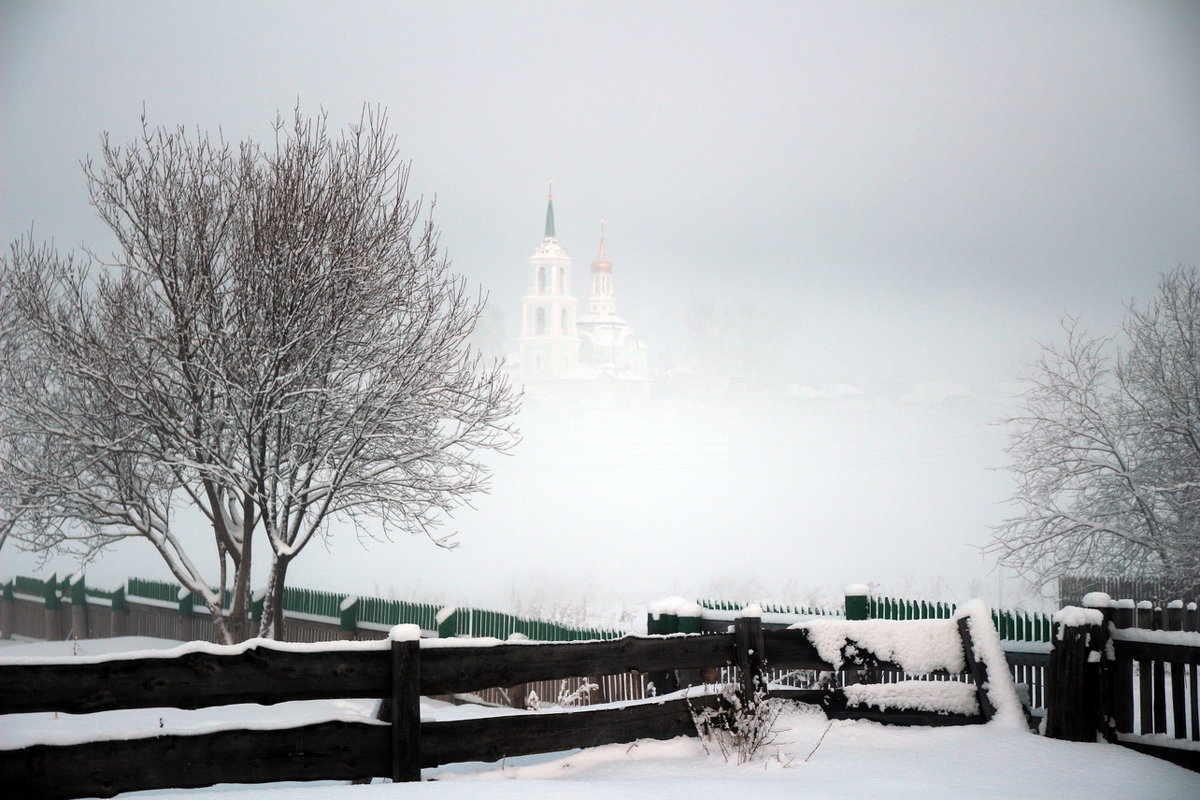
x,y
196,680
446,670
1156,651
1122,688
1020,659
1145,697
835,705
1160,697
494,738
1179,700
1075,709
1194,680
976,669
405,711
748,633
325,751
265,675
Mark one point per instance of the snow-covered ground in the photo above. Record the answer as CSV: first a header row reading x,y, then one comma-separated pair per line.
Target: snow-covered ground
x,y
813,758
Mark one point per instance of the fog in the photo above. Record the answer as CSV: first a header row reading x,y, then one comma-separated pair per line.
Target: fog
x,y
842,230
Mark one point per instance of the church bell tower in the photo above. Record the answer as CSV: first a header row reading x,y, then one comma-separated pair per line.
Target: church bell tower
x,y
549,343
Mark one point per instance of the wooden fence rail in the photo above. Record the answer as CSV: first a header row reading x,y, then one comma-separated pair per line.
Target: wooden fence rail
x,y
400,670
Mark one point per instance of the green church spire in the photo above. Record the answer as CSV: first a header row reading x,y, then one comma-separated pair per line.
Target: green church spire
x,y
550,211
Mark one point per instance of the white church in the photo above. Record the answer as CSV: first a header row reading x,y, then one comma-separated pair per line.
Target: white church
x,y
557,345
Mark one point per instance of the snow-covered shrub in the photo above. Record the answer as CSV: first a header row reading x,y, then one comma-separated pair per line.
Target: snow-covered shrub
x,y
740,732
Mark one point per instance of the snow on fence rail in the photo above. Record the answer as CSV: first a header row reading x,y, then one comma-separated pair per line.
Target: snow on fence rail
x,y
400,670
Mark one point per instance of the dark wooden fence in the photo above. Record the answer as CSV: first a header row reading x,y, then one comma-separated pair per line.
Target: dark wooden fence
x,y
400,671
1129,674
1157,591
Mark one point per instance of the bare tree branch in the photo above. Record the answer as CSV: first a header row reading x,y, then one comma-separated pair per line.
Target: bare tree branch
x,y
277,343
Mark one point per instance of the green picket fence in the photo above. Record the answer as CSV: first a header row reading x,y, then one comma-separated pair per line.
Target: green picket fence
x,y
1018,626
477,622
374,610
769,608
1014,626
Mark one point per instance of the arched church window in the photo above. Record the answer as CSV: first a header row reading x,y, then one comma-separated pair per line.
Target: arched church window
x,y
539,320
541,279
566,328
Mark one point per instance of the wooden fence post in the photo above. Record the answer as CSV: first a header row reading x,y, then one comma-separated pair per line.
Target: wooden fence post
x,y
977,669
53,612
856,601
406,703
258,600
348,618
1074,691
661,620
1122,676
79,609
447,622
751,659
7,611
120,613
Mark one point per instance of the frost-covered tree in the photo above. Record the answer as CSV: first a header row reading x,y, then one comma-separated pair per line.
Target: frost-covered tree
x,y
1106,455
277,342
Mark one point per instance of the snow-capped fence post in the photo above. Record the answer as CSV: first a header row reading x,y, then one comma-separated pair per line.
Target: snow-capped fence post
x,y
348,617
748,636
7,610
1122,701
856,601
662,619
1076,709
406,702
119,619
186,604
1173,621
53,612
447,622
79,608
258,600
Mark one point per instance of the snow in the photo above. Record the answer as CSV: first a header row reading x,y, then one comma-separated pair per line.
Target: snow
x,y
814,759
405,633
1001,690
1096,600
857,590
669,605
752,611
446,613
1160,740
917,646
944,697
1074,616
347,602
1185,638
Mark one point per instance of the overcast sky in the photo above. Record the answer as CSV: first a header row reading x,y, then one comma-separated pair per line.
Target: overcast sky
x,y
882,193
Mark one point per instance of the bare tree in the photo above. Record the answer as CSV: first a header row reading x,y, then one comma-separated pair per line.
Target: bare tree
x,y
1107,453
277,343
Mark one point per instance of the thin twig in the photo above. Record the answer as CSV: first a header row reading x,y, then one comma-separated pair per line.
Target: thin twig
x,y
818,744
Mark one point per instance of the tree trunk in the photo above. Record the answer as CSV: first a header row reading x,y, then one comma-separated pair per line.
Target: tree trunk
x,y
272,616
239,617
